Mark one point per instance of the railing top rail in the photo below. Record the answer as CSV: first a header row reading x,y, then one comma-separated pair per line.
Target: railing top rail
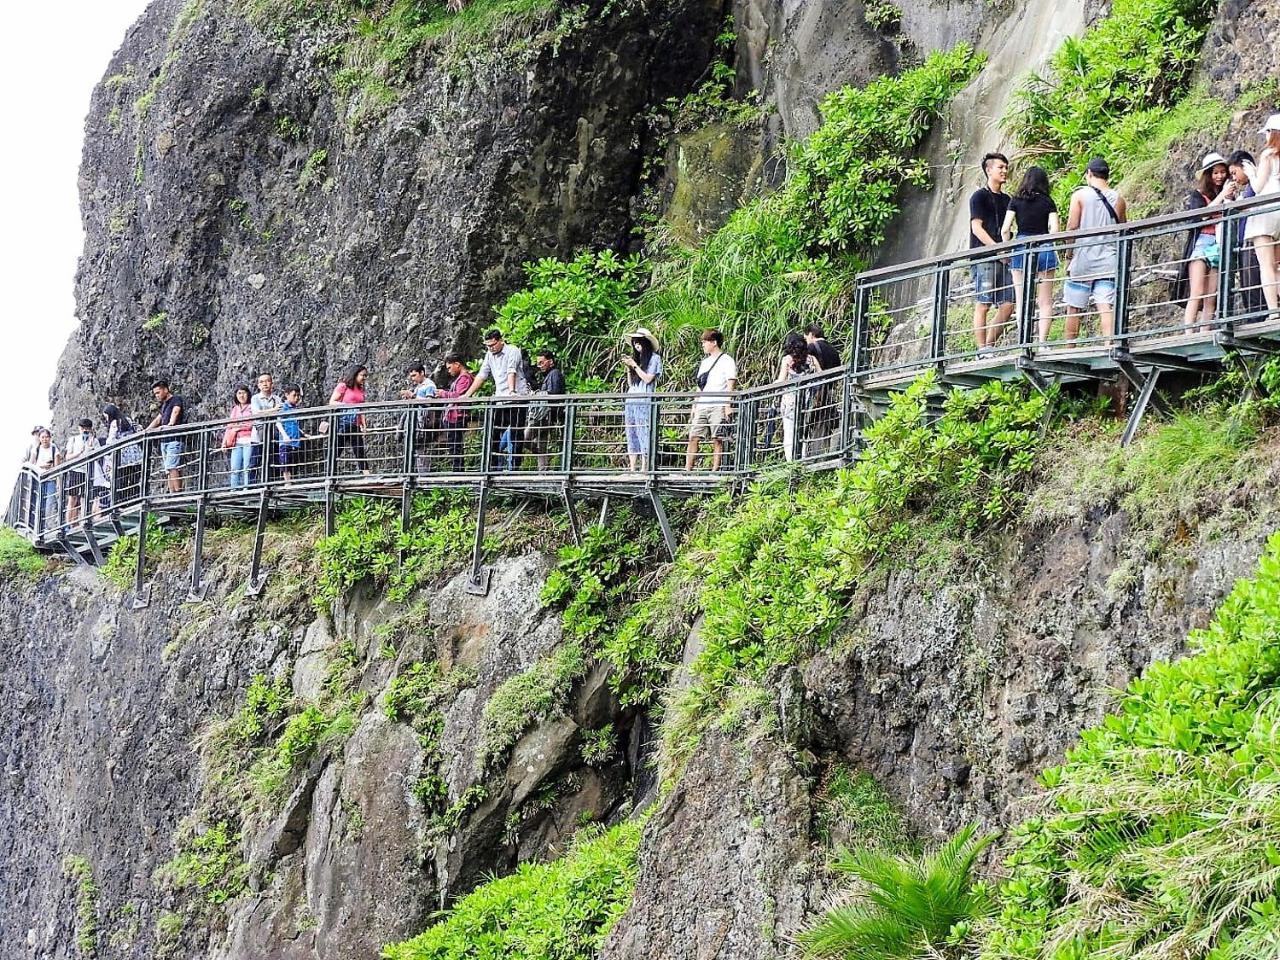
x,y
927,265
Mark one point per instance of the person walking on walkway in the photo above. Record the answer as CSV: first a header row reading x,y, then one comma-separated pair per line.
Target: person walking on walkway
x,y
1035,214
644,369
504,365
1202,254
1091,276
455,415
237,439
712,415
796,362
544,418
349,393
1253,305
1263,229
172,414
992,284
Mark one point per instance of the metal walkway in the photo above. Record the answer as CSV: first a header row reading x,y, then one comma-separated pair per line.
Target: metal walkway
x,y
907,319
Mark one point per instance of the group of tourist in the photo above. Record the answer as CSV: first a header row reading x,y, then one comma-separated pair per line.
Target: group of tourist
x,y
1030,214
528,427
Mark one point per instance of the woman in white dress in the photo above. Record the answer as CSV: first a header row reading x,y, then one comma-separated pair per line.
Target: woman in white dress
x,y
796,362
1263,229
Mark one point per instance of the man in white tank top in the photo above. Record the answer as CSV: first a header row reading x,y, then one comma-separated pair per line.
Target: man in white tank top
x,y
1092,273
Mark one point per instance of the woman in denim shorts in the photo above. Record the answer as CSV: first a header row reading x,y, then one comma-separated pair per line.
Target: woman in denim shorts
x,y
1198,272
1036,215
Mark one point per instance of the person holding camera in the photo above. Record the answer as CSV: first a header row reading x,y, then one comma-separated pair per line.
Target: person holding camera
x,y
717,377
644,367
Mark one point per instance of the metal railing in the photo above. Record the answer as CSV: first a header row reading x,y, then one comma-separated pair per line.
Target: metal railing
x,y
535,443
921,315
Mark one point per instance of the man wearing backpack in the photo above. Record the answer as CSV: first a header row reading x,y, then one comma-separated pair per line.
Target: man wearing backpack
x,y
1091,275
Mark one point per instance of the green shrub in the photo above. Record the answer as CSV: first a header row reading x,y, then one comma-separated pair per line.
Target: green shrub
x,y
80,872
1135,63
266,702
18,559
1164,824
599,746
857,807
561,910
121,563
906,907
209,862
575,309
528,697
845,179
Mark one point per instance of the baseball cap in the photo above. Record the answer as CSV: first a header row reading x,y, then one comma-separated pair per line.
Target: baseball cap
x,y
1099,167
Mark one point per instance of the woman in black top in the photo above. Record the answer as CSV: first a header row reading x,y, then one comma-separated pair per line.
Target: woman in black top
x,y
1036,215
1198,271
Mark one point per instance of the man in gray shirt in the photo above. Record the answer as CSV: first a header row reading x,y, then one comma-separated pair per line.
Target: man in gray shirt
x,y
264,401
504,365
1092,272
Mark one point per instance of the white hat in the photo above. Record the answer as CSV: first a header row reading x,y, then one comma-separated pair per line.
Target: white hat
x,y
1273,123
1213,158
643,333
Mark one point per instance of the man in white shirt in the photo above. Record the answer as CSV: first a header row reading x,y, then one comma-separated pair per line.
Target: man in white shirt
x,y
717,373
504,365
264,401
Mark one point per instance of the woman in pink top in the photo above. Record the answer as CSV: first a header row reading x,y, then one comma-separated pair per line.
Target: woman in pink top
x,y
349,392
238,437
455,418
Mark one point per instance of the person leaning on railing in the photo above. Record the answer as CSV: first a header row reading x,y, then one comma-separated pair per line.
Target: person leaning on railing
x,y
504,365
455,415
717,373
172,414
1198,270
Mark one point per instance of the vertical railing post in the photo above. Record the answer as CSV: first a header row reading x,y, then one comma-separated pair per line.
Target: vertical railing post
x,y
746,415
331,448
486,438
410,433
861,334
1226,271
1028,313
941,291
140,592
566,438
268,432
653,410
204,448
1123,268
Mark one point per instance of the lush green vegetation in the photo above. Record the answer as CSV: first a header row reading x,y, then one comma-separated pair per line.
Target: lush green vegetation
x,y
907,908
855,808
528,697
1162,836
799,555
1111,91
80,872
18,559
551,911
122,561
576,310
209,864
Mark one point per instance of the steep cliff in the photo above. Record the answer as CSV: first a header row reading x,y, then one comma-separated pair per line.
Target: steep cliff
x,y
257,196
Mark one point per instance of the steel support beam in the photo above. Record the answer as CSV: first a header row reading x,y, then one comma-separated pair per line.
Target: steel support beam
x,y
575,530
258,579
1146,395
480,575
95,548
69,549
141,592
668,535
199,589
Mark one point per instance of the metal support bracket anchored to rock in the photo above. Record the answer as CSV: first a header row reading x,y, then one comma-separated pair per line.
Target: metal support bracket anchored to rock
x,y
141,591
480,575
668,535
258,579
199,588
566,492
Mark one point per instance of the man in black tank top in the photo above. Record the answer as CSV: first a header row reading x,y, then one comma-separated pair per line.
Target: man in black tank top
x,y
992,282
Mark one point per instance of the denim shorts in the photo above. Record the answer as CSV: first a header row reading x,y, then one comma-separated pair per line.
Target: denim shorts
x,y
1101,289
1046,261
1206,249
172,451
992,282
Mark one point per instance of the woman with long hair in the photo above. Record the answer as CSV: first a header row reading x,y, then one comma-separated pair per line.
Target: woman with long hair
x,y
644,367
1036,215
237,440
349,392
129,460
796,362
1198,273
1263,229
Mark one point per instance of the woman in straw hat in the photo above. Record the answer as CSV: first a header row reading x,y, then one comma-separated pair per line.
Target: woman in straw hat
x,y
644,367
1262,229
1198,273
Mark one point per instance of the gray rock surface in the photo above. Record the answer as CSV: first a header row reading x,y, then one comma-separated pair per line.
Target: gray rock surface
x,y
210,254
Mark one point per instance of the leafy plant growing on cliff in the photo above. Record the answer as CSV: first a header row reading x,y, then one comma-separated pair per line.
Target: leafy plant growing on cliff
x,y
18,559
208,862
1129,69
1162,833
79,871
906,908
561,910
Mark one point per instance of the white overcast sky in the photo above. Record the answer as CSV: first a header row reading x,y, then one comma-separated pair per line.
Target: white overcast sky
x,y
45,82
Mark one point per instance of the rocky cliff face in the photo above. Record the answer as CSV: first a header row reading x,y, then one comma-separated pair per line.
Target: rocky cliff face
x,y
244,210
